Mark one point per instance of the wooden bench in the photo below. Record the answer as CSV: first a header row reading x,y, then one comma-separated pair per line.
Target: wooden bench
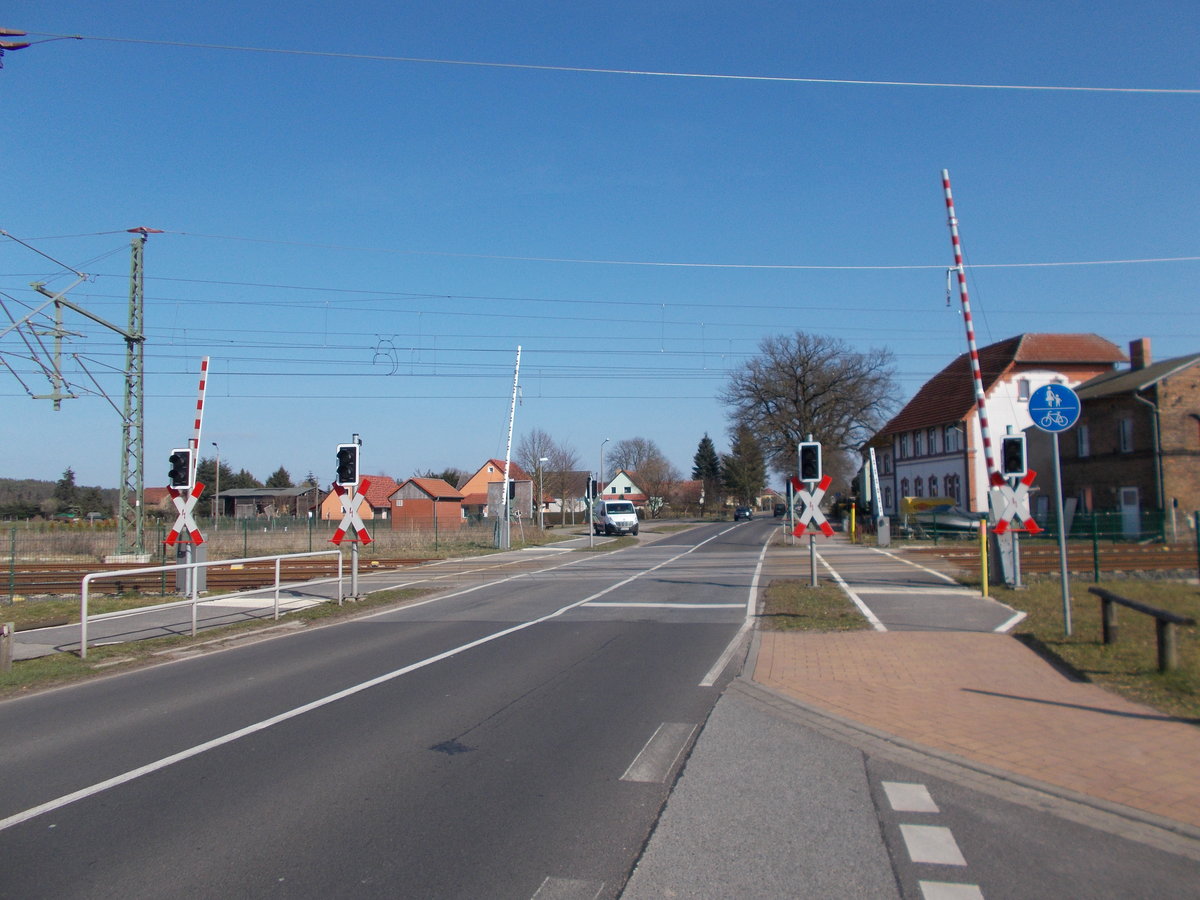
x,y
1164,622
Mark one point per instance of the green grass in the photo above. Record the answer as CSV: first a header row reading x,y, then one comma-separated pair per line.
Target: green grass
x,y
793,605
1129,667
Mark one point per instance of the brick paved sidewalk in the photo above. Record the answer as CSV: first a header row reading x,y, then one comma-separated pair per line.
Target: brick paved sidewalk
x,y
990,699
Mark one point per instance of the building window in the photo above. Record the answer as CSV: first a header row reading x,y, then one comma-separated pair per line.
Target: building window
x,y
919,488
933,484
1083,444
1125,431
952,488
904,446
886,459
628,489
932,435
1023,389
887,498
918,444
904,487
950,438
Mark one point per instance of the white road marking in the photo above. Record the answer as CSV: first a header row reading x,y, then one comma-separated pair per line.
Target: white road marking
x,y
868,588
167,761
710,677
932,844
945,890
908,562
1004,627
907,797
568,889
854,598
654,763
636,604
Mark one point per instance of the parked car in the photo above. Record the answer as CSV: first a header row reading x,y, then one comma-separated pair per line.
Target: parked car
x,y
743,512
780,510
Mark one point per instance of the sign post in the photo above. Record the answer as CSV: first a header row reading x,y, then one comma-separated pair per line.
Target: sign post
x,y
811,503
1055,408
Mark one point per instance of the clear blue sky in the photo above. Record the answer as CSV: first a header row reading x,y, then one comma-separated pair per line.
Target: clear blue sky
x,y
361,244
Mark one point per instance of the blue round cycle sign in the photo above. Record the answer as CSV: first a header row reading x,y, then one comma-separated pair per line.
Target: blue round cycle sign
x,y
1054,407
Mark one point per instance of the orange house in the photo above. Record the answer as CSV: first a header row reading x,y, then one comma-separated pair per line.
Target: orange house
x,y
374,504
426,503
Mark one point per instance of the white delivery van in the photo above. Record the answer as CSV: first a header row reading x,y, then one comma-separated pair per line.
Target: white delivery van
x,y
615,517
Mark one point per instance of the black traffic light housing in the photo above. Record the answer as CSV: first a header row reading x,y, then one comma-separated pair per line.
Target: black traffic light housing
x,y
1013,463
810,461
347,465
180,474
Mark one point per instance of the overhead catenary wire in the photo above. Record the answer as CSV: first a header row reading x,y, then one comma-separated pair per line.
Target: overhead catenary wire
x,y
641,73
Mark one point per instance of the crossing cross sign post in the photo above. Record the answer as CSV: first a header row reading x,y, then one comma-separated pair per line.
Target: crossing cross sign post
x,y
1016,506
185,525
351,521
810,504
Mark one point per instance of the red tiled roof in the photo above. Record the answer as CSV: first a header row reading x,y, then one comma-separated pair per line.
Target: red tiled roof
x,y
950,395
380,490
479,498
436,488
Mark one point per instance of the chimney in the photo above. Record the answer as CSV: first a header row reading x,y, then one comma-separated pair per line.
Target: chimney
x,y
1139,353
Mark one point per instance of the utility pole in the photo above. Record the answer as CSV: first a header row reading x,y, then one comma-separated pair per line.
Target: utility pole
x,y
504,537
131,505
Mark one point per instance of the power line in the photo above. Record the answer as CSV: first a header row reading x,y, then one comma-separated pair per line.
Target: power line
x,y
643,73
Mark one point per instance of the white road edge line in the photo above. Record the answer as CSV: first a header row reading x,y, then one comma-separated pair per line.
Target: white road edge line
x,y
854,598
166,761
658,756
710,678
1011,623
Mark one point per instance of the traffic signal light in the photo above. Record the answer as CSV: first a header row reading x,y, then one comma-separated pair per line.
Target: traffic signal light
x,y
810,461
180,474
1012,456
347,465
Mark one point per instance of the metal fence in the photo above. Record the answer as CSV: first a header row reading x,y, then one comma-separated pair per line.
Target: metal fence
x,y
41,542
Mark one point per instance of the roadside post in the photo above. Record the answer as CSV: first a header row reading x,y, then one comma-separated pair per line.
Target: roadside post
x,y
351,490
808,491
6,646
1055,408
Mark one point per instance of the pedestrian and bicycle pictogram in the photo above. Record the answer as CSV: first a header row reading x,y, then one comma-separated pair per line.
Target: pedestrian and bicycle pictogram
x,y
1054,407
1016,506
810,504
351,521
185,525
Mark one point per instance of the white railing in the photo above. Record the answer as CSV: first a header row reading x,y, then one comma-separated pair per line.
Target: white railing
x,y
194,599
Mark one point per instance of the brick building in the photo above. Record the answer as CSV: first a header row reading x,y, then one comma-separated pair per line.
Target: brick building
x,y
1136,446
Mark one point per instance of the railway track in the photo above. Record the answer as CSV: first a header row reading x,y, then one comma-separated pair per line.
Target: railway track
x,y
1043,558
66,578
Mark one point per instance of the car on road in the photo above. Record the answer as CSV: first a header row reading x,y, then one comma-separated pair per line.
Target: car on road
x,y
780,510
743,512
615,517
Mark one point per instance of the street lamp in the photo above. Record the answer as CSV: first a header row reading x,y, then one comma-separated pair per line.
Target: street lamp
x,y
542,492
217,488
600,486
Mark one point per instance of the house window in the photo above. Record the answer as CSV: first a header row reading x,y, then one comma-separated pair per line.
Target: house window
x,y
1083,444
904,487
628,489
905,446
1023,389
952,438
933,484
887,498
952,489
1125,431
918,444
919,488
932,440
887,463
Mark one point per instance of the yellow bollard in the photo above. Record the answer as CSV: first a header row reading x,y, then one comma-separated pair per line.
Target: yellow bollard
x,y
983,555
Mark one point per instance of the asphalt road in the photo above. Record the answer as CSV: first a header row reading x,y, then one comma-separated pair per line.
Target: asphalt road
x,y
507,738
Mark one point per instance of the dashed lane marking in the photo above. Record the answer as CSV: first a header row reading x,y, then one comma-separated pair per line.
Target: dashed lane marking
x,y
907,797
946,890
568,889
654,763
931,844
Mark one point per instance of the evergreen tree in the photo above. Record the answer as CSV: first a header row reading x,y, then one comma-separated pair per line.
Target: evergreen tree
x,y
706,468
65,491
280,478
744,467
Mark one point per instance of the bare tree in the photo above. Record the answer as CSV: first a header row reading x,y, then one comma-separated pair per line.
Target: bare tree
x,y
533,446
657,477
632,454
805,384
